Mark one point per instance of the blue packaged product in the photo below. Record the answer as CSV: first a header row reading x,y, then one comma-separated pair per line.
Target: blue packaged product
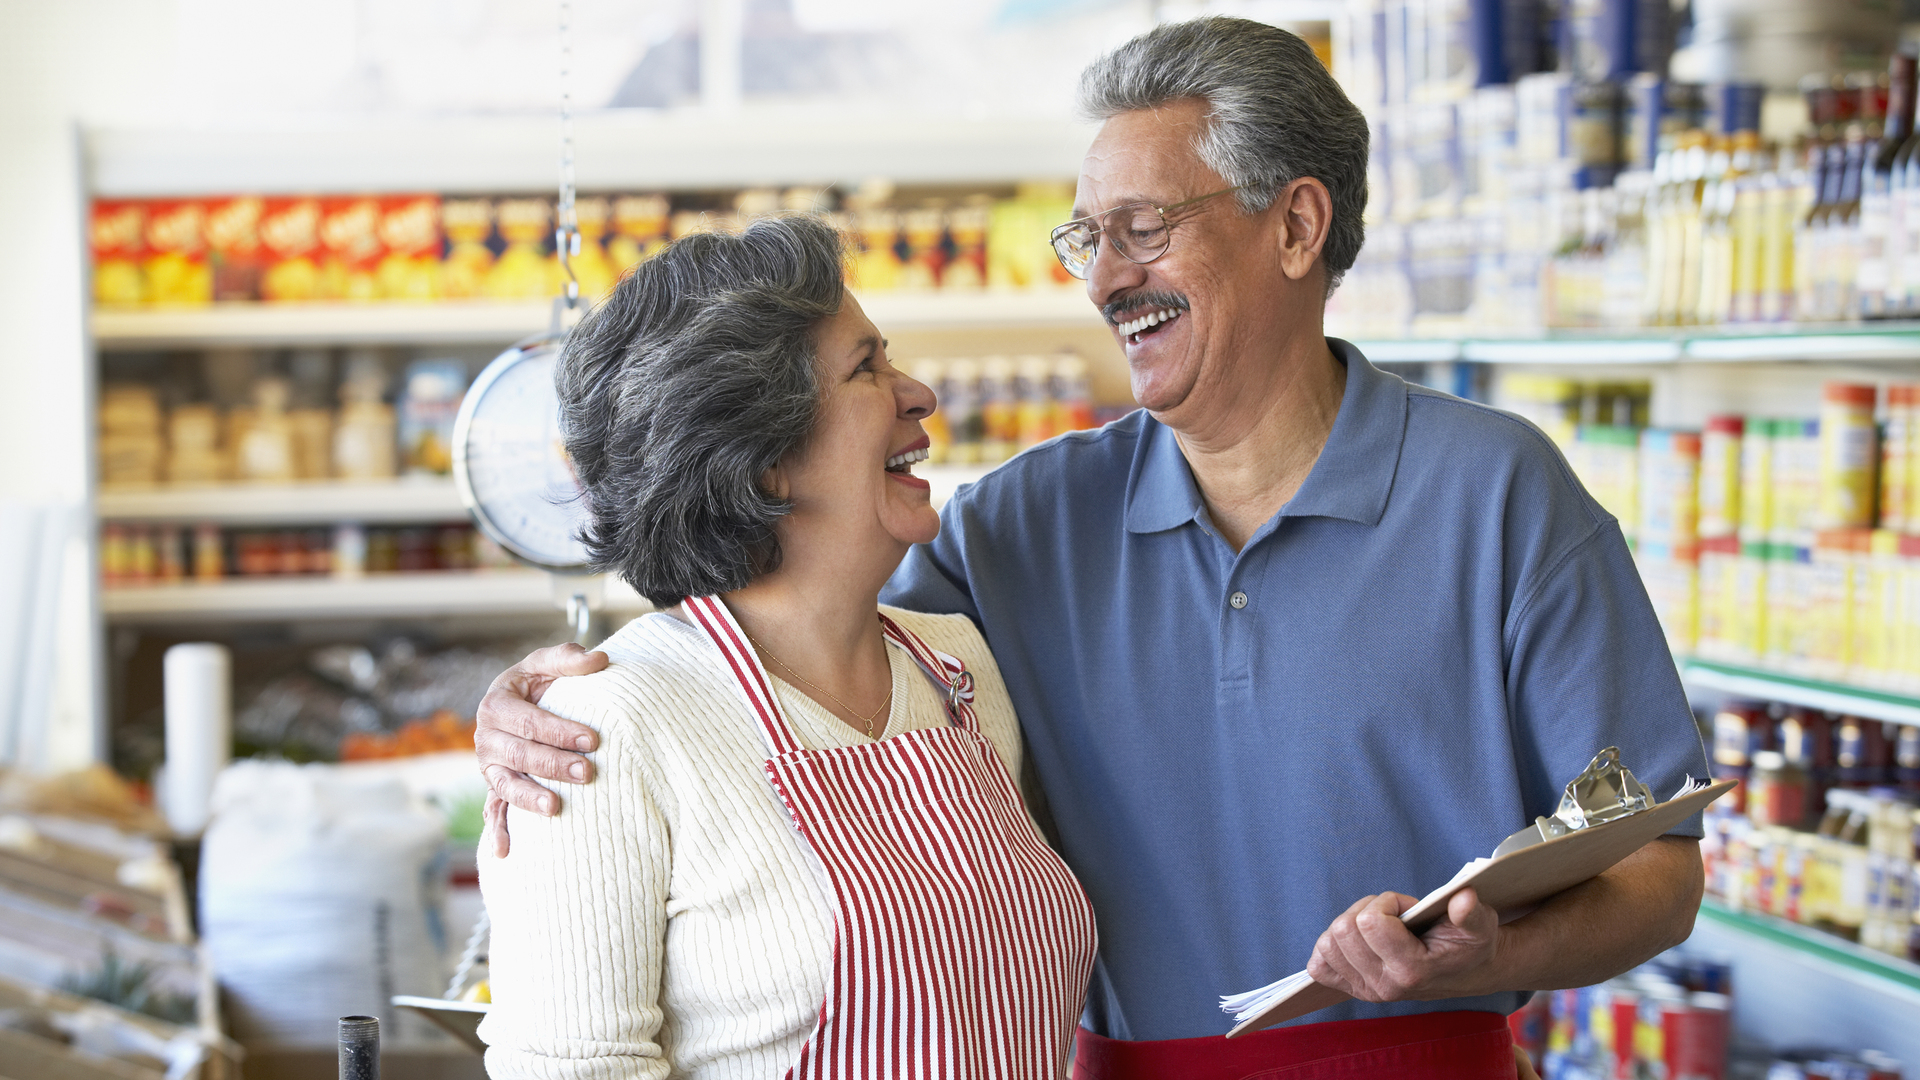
x,y
1734,107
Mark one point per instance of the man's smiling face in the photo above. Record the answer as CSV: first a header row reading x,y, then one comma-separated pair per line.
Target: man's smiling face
x,y
1190,317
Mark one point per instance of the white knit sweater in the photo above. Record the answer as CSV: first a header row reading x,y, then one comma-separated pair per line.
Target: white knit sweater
x,y
670,922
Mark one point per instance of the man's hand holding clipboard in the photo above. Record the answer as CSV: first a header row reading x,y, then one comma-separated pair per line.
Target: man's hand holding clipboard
x,y
1605,816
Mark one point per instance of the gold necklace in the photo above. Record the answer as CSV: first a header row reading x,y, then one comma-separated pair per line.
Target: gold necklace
x,y
865,720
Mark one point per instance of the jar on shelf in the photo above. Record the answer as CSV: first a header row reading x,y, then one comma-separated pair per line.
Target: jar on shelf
x,y
1776,790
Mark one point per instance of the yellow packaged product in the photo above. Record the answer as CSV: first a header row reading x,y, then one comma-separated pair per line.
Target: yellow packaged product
x,y
469,225
526,268
1719,500
592,268
1849,452
877,265
410,239
1719,599
1896,458
117,233
176,270
1830,602
639,230
1756,481
1876,609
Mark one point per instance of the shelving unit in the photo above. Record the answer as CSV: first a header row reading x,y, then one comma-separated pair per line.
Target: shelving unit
x,y
417,595
483,322
1895,971
1795,690
1893,341
421,595
1800,986
320,501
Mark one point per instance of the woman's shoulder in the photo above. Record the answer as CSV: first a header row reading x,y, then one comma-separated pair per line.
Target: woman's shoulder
x,y
658,667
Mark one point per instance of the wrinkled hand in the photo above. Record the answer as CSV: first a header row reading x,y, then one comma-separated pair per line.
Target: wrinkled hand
x,y
513,737
1370,954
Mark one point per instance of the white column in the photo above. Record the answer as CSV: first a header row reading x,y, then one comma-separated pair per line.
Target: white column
x,y
720,32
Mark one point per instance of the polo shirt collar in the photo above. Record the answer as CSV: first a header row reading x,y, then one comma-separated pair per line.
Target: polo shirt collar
x,y
1351,480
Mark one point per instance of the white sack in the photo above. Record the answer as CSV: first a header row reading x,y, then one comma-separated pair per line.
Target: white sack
x,y
320,897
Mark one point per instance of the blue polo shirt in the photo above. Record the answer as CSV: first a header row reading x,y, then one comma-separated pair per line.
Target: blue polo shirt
x,y
1406,664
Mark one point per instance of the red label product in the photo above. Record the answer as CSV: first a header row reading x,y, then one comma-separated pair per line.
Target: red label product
x,y
409,232
350,239
176,267
233,244
290,244
118,236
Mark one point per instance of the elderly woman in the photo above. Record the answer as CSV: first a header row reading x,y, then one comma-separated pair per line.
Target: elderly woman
x,y
806,854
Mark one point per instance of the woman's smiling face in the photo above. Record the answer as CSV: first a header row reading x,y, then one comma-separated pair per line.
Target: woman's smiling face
x,y
841,482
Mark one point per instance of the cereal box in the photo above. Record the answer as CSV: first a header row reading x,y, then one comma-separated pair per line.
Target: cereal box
x,y
591,267
351,247
233,246
526,268
469,226
290,244
410,233
639,230
176,267
118,234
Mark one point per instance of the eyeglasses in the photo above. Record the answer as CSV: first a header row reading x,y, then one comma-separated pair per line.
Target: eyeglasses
x,y
1139,231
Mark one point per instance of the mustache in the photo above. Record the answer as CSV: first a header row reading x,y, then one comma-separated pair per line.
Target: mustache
x,y
1116,312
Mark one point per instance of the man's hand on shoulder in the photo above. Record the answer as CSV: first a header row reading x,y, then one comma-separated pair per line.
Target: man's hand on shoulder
x,y
515,738
1370,954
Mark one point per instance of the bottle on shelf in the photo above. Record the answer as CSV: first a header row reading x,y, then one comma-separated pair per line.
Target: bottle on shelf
x,y
1880,241
1726,169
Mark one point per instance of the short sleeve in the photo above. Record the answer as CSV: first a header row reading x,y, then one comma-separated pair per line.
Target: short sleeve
x,y
1589,668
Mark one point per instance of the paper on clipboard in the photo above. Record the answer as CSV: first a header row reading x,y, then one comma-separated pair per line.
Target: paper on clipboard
x,y
1511,884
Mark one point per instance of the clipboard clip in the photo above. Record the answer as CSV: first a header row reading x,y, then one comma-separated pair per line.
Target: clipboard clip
x,y
1605,791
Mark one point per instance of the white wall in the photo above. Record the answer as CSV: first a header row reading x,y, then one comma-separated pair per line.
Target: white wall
x,y
61,63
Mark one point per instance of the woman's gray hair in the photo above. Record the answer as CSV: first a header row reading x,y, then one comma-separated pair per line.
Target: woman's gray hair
x,y
677,394
1275,114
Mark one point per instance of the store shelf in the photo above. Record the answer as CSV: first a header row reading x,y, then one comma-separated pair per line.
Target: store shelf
x,y
1819,342
422,595
1893,971
1795,690
478,322
376,595
618,150
323,502
315,503
240,324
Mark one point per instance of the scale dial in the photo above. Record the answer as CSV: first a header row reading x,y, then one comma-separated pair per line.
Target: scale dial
x,y
509,464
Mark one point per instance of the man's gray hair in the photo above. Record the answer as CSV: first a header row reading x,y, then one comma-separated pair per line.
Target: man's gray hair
x,y
1275,114
677,394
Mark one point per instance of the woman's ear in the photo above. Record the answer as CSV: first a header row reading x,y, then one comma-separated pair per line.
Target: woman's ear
x,y
774,482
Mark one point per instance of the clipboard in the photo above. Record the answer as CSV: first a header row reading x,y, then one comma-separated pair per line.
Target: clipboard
x,y
1511,884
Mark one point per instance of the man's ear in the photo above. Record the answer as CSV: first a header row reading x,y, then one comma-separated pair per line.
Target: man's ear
x,y
1306,216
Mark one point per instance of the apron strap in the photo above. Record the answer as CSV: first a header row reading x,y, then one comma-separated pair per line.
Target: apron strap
x,y
947,672
712,616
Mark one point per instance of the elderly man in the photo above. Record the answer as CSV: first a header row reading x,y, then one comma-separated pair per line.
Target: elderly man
x,y
1293,635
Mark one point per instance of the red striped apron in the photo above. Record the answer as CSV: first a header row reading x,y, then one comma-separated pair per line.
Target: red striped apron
x,y
962,944
1429,1046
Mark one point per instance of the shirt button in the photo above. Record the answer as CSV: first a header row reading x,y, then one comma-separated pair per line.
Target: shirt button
x,y
1238,600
